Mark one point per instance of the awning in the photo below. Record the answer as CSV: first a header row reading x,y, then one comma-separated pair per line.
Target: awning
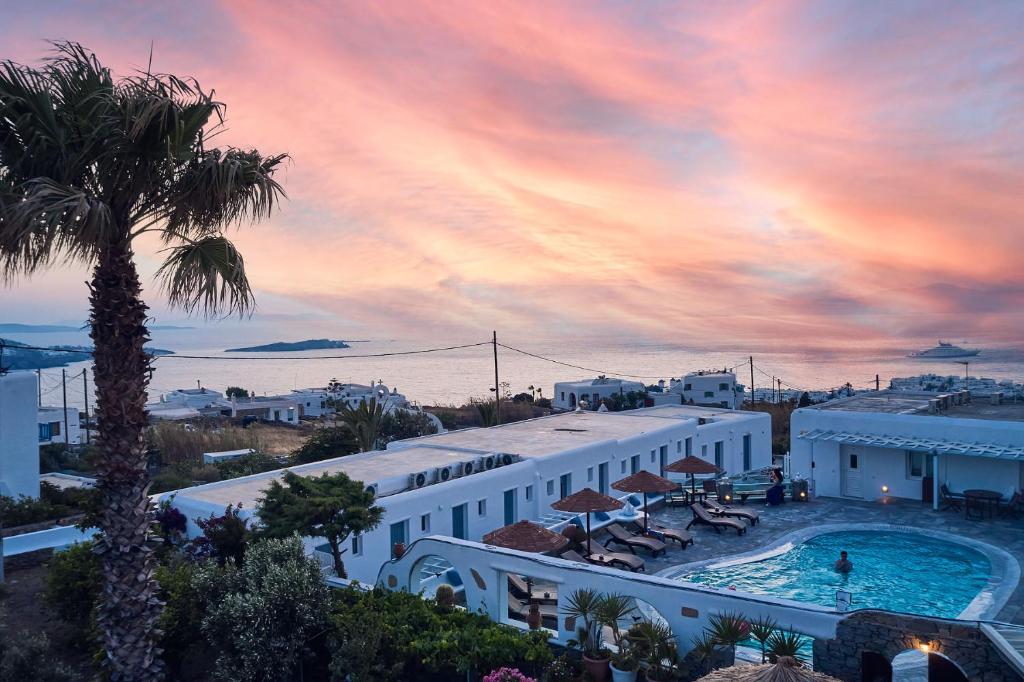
x,y
934,445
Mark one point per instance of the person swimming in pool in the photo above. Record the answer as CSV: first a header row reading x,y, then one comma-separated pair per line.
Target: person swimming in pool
x,y
844,565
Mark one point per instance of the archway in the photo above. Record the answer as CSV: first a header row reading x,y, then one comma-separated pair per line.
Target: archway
x,y
874,667
572,400
430,572
918,665
941,669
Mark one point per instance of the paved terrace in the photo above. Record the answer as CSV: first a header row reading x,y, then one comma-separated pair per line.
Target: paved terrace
x,y
1005,533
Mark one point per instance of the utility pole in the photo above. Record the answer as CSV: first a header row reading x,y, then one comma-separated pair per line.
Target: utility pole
x,y
198,384
780,391
497,387
85,394
878,383
39,385
751,380
64,390
775,397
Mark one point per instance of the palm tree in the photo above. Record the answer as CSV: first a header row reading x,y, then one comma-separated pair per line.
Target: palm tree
x,y
364,422
88,164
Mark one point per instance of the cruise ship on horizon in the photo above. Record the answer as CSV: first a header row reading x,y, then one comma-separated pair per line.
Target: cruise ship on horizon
x,y
944,351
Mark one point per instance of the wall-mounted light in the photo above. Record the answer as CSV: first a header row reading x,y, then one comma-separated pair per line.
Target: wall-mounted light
x,y
924,647
885,489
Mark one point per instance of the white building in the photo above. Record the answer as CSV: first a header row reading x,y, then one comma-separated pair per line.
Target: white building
x,y
56,427
317,402
193,397
19,434
519,469
285,411
900,444
709,388
978,386
568,394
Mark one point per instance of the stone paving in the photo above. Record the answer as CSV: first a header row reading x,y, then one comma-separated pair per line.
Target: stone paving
x,y
1005,533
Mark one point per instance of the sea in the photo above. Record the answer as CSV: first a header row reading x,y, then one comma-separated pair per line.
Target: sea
x,y
455,376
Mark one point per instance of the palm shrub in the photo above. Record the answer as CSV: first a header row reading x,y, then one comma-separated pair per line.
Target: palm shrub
x,y
762,629
611,611
261,616
658,645
89,164
729,629
783,643
583,606
703,650
364,422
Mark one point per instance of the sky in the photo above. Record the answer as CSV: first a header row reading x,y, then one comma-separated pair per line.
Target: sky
x,y
823,172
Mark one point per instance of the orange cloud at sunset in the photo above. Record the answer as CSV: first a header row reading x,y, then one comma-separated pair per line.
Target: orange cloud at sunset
x,y
819,170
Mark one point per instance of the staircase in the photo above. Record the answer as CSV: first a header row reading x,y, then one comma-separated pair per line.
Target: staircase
x,y
1009,639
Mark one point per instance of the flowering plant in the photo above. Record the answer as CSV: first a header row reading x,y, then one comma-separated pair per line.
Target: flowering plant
x,y
507,675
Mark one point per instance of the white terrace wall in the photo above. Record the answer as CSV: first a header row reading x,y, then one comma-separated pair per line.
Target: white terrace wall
x,y
685,606
19,435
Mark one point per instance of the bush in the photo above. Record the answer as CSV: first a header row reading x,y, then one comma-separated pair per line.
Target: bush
x,y
260,617
183,447
402,424
73,585
224,537
207,473
326,443
181,619
29,656
255,463
170,479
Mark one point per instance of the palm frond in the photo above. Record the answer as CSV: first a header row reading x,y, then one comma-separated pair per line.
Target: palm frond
x,y
206,275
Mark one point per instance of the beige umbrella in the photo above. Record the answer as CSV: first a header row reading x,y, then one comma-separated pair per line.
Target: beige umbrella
x,y
644,482
787,669
692,465
587,500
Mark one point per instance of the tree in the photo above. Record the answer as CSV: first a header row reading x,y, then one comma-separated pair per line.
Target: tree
x,y
805,399
329,507
236,392
326,443
402,424
364,422
89,164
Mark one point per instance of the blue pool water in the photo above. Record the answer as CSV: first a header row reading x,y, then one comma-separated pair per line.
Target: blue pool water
x,y
904,572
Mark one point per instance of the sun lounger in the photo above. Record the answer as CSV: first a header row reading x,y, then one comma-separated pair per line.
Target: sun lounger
x,y
703,516
670,534
724,510
621,536
608,559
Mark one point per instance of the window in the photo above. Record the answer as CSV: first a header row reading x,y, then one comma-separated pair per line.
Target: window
x,y
55,428
481,508
564,486
460,522
663,460
689,447
747,453
723,387
709,394
563,395
510,505
704,451
357,545
679,447
399,534
45,433
688,387
551,487
590,474
652,456
425,523
720,454
634,464
529,493
622,466
919,465
602,478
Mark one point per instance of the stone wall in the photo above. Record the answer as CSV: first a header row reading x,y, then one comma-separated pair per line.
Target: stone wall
x,y
890,634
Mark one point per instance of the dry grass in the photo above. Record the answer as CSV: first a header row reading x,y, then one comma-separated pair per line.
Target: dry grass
x,y
466,416
281,440
184,447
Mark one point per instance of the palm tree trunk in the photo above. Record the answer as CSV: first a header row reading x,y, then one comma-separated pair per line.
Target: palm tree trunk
x,y
129,607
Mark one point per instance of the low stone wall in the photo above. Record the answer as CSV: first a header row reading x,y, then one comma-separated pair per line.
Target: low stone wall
x,y
890,634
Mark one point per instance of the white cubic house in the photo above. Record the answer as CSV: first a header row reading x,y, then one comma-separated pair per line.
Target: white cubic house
x,y
899,444
568,394
19,435
709,388
466,483
57,427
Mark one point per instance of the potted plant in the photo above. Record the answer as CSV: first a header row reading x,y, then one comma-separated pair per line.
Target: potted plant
x,y
728,629
399,550
783,643
703,651
611,611
582,606
658,643
533,617
761,630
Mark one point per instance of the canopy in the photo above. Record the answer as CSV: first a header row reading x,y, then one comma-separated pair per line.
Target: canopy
x,y
691,465
526,536
645,482
786,670
587,500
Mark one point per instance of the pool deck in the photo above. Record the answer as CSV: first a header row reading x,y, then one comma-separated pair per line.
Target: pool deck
x,y
775,522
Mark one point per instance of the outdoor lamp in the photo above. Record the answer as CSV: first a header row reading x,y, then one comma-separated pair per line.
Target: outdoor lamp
x,y
924,647
885,489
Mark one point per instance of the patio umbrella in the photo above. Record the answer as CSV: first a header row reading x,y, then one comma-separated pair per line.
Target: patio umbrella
x,y
786,670
587,500
692,465
644,482
527,536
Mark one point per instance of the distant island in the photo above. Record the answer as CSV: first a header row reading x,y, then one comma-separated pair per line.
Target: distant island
x,y
15,328
284,346
17,356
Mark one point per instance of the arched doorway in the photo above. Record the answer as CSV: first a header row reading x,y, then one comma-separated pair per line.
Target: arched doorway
x,y
941,669
572,400
432,571
874,667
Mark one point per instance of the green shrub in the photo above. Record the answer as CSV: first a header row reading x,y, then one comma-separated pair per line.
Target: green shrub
x,y
224,537
73,584
170,479
255,463
326,443
262,616
207,473
181,619
29,656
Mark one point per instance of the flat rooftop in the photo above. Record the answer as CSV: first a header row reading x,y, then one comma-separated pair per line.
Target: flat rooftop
x,y
901,402
567,430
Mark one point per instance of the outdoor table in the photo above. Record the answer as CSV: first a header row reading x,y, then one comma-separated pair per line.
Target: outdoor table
x,y
695,496
983,500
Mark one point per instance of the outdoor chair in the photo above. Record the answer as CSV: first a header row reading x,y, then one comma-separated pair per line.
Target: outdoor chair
x,y
724,510
703,516
608,560
669,534
1015,507
710,487
621,536
948,500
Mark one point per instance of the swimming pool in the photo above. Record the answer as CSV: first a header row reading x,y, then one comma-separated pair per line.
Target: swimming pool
x,y
908,572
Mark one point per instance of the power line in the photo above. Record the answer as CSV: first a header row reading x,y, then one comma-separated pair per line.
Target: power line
x,y
585,369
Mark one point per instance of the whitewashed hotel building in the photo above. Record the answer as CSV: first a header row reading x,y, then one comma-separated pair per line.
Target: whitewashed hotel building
x,y
518,470
900,444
